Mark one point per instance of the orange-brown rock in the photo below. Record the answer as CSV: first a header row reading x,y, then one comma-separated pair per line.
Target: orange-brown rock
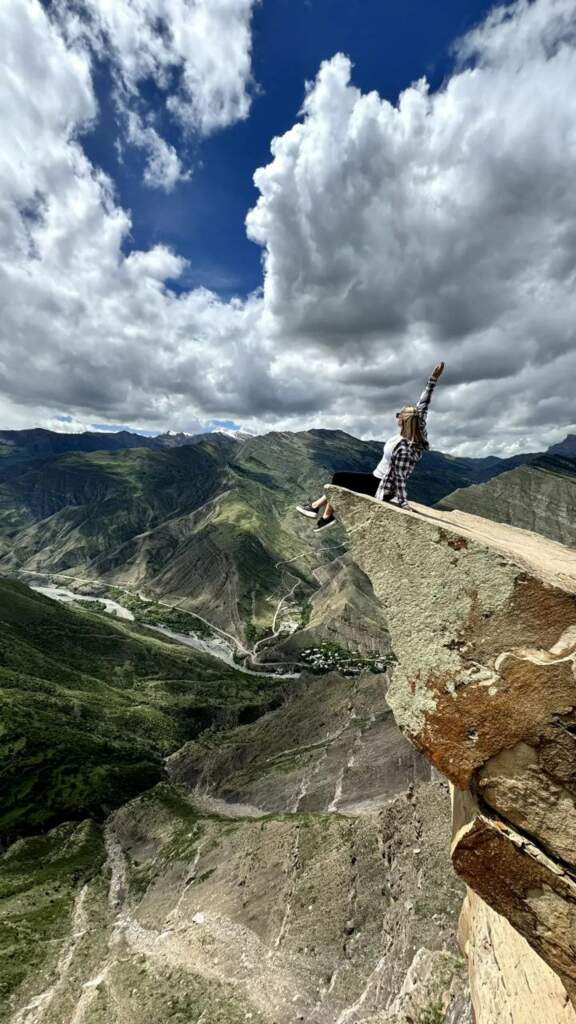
x,y
516,879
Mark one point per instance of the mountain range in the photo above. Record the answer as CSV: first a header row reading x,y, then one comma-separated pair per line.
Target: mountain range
x,y
185,839
539,495
208,522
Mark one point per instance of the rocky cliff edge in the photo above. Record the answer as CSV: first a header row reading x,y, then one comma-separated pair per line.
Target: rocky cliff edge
x,y
482,619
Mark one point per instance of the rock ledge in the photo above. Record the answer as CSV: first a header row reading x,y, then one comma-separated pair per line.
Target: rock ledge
x,y
482,620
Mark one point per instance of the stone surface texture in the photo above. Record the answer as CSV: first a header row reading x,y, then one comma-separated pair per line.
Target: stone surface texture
x,y
213,918
507,977
482,621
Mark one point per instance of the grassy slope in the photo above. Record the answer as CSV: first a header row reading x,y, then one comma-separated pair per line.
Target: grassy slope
x,y
40,878
137,486
90,707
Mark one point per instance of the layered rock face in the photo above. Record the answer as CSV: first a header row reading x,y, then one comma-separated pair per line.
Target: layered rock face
x,y
507,977
539,497
482,620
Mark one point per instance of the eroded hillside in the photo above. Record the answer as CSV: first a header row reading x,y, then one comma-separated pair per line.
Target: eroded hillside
x,y
291,863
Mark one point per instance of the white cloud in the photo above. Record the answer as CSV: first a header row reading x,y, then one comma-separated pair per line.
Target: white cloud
x,y
443,227
198,50
514,34
84,327
163,166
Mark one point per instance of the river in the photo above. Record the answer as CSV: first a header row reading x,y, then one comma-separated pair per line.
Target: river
x,y
67,596
215,647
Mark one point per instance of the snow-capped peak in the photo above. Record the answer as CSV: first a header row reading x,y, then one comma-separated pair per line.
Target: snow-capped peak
x,y
236,435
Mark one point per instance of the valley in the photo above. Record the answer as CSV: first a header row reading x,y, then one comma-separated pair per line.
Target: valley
x,y
237,796
200,635
208,525
209,812
207,641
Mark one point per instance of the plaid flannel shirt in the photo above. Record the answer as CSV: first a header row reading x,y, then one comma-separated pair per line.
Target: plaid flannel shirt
x,y
406,455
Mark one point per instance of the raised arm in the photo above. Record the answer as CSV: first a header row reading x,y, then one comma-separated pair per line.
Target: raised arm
x,y
426,396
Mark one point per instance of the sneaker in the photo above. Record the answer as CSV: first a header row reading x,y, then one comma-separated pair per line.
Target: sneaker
x,y
323,524
307,510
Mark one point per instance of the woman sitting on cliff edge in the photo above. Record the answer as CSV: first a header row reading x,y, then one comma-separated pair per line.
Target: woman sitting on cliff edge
x,y
401,454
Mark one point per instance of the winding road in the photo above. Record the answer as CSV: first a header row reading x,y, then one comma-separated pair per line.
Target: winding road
x,y
215,650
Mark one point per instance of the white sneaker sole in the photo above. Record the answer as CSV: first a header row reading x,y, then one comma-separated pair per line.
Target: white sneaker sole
x,y
305,512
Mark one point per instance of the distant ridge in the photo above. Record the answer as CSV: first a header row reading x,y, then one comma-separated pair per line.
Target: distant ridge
x,y
538,496
43,441
565,447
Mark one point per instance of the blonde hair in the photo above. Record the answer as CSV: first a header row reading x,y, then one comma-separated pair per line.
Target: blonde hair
x,y
411,427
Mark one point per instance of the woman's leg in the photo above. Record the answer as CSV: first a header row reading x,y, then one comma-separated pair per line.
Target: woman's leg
x,y
312,509
323,510
326,519
361,483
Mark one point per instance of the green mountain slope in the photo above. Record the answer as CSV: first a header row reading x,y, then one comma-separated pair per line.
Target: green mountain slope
x,y
539,497
70,509
24,446
208,523
42,880
90,707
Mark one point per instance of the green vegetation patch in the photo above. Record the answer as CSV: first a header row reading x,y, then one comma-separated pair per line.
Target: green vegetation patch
x,y
150,613
41,881
89,708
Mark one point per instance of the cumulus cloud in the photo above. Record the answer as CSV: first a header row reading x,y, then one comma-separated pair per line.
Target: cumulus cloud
x,y
392,236
86,327
163,165
440,227
198,51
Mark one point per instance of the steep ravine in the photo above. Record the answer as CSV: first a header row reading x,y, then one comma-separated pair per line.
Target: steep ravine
x,y
482,620
293,870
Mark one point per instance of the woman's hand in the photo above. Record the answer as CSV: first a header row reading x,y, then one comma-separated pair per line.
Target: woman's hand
x,y
438,371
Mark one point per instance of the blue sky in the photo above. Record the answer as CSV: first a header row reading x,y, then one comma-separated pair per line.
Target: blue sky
x,y
391,44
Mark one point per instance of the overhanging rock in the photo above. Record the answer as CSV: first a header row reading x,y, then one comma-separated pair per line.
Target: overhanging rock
x,y
482,620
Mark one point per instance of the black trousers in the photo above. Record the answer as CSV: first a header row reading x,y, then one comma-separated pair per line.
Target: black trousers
x,y
362,483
